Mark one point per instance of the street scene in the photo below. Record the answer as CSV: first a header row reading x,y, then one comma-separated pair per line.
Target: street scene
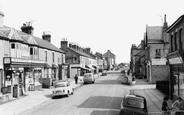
x,y
99,57
104,97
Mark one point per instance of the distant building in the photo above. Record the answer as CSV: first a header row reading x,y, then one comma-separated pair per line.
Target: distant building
x,y
79,59
110,59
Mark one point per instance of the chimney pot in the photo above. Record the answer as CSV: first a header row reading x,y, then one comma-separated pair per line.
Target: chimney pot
x,y
46,37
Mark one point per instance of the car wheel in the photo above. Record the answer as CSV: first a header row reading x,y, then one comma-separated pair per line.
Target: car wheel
x,y
68,94
72,92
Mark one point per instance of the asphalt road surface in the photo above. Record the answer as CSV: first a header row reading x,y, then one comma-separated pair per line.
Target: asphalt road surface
x,y
101,98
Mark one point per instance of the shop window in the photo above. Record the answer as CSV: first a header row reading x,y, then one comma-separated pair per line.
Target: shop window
x,y
176,83
181,85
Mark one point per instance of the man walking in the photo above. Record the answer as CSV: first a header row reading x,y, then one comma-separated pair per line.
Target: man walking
x,y
76,79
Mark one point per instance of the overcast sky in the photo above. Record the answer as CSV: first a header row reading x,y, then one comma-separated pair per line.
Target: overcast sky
x,y
99,24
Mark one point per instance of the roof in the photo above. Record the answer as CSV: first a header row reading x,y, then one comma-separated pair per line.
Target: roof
x,y
139,97
80,53
14,34
175,23
153,32
108,53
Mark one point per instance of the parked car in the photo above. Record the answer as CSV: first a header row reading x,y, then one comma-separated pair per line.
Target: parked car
x,y
126,80
62,87
89,78
133,104
104,72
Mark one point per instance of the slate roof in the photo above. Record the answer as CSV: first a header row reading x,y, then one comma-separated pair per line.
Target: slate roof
x,y
181,18
154,32
108,53
14,34
80,53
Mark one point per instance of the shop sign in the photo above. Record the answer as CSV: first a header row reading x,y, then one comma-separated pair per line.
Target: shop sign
x,y
177,60
161,61
6,60
20,60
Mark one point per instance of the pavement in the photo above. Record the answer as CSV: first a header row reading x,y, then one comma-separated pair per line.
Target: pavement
x,y
33,98
153,96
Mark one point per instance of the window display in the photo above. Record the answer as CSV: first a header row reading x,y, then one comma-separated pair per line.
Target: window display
x,y
176,84
181,84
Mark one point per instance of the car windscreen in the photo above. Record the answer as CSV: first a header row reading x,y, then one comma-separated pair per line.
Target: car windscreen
x,y
87,75
134,103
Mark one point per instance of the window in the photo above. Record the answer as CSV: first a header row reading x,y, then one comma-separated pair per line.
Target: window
x,y
157,53
172,41
52,56
175,42
46,56
31,51
12,46
180,42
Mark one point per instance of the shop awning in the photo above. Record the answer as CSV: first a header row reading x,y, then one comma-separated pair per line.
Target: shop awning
x,y
46,65
90,67
54,66
85,68
95,66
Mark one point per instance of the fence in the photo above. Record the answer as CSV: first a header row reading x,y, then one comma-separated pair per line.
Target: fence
x,y
163,86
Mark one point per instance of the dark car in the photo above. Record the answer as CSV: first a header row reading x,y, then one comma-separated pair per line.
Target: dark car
x,y
133,104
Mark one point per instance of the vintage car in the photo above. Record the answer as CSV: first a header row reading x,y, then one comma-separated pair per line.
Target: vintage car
x,y
126,80
133,104
89,78
62,88
104,72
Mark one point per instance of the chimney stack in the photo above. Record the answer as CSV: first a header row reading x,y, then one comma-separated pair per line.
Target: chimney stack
x,y
1,19
165,26
88,50
27,28
64,43
46,36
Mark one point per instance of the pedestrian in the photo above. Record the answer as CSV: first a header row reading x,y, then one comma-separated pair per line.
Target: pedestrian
x,y
76,79
133,80
165,107
178,104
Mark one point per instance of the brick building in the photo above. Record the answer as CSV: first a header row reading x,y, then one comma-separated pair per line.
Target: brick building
x,y
176,57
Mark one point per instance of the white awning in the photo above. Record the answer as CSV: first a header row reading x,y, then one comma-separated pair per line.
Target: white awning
x,y
96,66
90,67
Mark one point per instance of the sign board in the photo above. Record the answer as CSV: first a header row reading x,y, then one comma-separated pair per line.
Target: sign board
x,y
176,60
161,61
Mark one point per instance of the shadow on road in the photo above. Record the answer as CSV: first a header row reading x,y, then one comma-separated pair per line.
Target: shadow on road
x,y
110,81
105,112
102,102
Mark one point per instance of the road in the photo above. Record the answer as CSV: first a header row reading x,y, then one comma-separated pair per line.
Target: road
x,y
101,98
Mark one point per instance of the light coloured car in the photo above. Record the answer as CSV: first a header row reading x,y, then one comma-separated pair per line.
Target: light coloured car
x,y
62,88
89,78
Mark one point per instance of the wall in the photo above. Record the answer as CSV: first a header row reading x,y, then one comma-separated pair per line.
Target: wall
x,y
160,72
73,72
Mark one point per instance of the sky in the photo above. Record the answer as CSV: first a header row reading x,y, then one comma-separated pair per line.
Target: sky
x,y
99,24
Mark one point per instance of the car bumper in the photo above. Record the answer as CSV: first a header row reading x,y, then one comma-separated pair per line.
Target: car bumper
x,y
59,93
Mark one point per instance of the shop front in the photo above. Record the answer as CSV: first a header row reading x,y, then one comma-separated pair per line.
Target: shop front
x,y
21,75
176,80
